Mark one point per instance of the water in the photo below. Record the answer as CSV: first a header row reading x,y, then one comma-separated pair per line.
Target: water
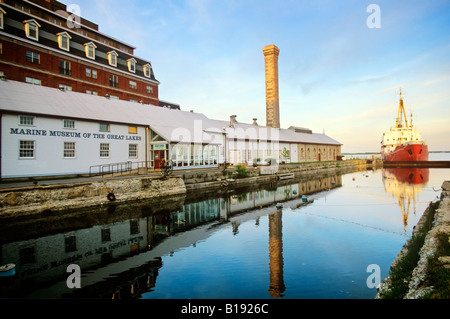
x,y
238,245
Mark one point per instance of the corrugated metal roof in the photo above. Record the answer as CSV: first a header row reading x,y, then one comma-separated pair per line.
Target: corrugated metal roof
x,y
172,125
253,132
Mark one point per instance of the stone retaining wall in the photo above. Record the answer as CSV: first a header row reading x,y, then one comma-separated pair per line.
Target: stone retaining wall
x,y
38,199
417,286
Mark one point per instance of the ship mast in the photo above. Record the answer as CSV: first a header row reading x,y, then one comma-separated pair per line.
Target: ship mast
x,y
401,113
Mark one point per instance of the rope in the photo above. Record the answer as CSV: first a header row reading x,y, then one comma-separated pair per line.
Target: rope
x,y
355,223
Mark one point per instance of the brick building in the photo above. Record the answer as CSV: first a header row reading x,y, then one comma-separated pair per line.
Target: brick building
x,y
42,43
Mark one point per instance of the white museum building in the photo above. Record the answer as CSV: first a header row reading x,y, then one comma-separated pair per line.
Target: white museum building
x,y
49,132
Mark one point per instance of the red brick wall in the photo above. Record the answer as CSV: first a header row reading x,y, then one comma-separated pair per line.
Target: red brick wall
x,y
15,66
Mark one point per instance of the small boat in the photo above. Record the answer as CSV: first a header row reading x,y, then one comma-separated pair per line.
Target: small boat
x,y
7,270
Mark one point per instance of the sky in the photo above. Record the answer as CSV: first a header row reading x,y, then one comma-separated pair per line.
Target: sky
x,y
341,63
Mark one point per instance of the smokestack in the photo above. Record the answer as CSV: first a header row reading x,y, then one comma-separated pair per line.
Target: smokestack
x,y
233,120
254,121
271,53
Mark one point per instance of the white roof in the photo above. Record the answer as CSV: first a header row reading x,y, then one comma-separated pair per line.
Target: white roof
x,y
172,125
254,132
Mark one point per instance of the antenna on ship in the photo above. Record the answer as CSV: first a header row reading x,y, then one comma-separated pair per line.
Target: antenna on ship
x,y
401,113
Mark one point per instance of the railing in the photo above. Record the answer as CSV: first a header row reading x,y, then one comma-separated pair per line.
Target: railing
x,y
115,169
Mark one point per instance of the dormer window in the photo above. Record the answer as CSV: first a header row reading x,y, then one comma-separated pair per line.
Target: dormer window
x,y
112,58
131,65
32,29
148,70
64,40
2,18
90,50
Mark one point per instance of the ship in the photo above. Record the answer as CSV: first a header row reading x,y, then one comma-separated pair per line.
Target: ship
x,y
403,143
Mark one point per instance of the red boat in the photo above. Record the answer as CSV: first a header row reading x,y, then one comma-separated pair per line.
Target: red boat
x,y
403,143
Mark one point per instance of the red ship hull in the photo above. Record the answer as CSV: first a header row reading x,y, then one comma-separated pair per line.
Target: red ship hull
x,y
410,175
407,153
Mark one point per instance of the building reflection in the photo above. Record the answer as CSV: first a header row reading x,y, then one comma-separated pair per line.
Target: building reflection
x,y
405,184
119,248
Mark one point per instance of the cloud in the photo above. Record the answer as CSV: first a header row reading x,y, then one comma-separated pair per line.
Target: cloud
x,y
437,79
369,79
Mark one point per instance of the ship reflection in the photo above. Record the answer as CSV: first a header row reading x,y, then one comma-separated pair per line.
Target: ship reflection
x,y
405,184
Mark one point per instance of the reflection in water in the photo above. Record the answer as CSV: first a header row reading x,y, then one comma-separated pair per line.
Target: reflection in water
x,y
277,286
119,247
405,184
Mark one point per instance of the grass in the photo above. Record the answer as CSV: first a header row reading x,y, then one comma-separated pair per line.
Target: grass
x,y
401,274
437,275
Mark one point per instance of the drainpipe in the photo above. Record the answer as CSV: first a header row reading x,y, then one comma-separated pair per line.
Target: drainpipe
x,y
146,147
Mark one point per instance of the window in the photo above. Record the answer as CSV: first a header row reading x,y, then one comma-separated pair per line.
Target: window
x,y
113,80
132,129
70,243
106,235
90,50
104,127
147,70
21,8
69,149
32,29
33,57
26,120
2,18
149,89
55,21
104,150
64,67
32,81
91,73
131,65
133,85
134,226
132,151
65,87
26,149
112,58
27,255
82,32
69,124
64,40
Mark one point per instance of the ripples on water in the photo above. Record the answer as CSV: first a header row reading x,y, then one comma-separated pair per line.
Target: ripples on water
x,y
238,245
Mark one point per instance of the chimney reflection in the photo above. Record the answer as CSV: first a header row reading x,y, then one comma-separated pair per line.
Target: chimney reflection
x,y
276,264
